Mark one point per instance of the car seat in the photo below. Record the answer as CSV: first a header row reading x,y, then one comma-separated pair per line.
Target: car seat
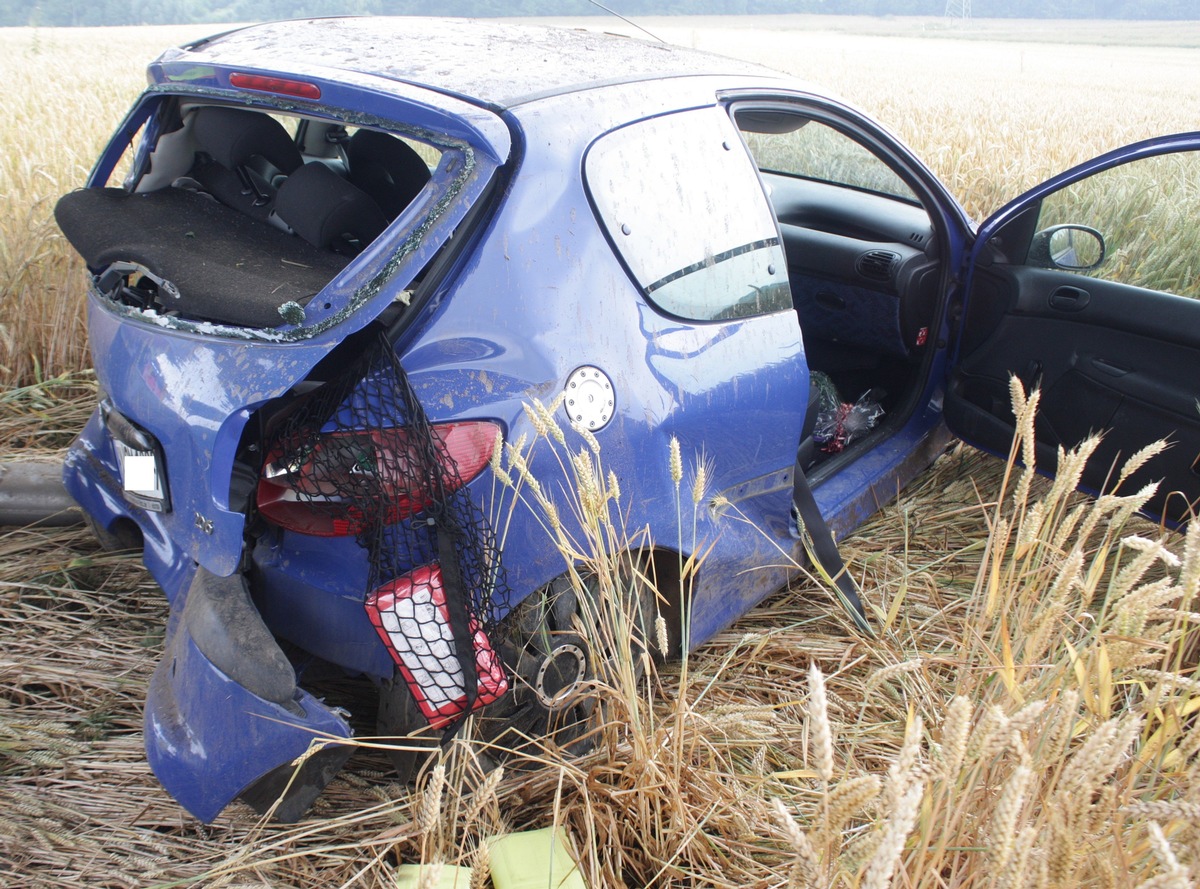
x,y
386,168
327,211
249,152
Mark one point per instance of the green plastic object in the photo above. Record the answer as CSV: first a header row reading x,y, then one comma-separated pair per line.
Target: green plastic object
x,y
534,859
408,876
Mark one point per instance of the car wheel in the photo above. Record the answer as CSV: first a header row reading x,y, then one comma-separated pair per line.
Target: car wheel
x,y
559,647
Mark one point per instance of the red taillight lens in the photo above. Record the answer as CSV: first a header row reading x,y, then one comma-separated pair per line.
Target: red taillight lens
x,y
334,486
277,85
410,615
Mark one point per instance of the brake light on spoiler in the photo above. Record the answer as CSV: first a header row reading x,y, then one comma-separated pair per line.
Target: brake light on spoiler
x,y
280,86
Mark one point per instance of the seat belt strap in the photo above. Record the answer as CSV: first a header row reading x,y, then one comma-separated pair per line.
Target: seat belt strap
x,y
823,551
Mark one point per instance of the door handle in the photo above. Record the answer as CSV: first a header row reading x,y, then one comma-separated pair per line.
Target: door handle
x,y
1069,299
1108,367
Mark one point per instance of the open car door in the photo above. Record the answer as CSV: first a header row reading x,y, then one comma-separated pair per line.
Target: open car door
x,y
1088,287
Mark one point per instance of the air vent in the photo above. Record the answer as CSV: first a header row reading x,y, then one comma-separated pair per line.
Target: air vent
x,y
917,238
877,265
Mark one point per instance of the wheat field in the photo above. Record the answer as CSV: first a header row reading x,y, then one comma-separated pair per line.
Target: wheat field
x,y
991,117
1027,716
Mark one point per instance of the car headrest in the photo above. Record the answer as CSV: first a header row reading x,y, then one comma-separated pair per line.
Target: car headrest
x,y
232,136
327,211
386,168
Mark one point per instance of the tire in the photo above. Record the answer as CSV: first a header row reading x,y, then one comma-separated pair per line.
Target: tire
x,y
552,702
401,722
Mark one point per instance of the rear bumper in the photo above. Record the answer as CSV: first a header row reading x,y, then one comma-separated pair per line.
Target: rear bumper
x,y
93,479
224,717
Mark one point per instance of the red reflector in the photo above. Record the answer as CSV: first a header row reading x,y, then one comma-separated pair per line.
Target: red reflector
x,y
278,85
322,488
410,615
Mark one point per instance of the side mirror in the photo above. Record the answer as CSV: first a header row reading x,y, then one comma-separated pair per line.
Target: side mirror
x,y
1072,248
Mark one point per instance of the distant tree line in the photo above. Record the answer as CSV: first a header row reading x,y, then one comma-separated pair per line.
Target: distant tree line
x,y
157,12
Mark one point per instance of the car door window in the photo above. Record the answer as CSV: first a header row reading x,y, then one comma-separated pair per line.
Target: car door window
x,y
683,205
812,150
1081,292
1146,212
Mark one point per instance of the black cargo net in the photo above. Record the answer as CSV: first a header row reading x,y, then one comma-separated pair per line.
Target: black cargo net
x,y
360,457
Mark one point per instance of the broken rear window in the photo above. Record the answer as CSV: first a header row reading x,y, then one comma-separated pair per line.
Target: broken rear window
x,y
240,217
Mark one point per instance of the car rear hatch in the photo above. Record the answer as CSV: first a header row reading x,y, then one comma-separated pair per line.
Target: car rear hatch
x,y
223,274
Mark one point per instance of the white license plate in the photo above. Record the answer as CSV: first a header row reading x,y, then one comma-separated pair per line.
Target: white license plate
x,y
140,476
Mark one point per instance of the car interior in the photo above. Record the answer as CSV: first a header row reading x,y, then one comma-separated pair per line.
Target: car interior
x,y
238,221
862,266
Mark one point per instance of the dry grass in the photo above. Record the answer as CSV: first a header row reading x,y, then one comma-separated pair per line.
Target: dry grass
x,y
45,416
1027,717
993,108
66,90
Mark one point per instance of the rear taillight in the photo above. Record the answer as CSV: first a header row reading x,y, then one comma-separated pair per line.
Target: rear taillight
x,y
343,481
410,615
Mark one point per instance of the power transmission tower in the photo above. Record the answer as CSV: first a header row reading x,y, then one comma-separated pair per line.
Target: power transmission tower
x,y
959,9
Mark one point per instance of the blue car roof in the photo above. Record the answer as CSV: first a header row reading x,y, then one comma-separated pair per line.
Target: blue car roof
x,y
489,62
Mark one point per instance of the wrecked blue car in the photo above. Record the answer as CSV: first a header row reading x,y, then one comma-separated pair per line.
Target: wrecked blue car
x,y
333,260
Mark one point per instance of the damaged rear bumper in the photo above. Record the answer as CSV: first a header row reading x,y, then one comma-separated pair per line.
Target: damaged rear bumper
x,y
224,716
